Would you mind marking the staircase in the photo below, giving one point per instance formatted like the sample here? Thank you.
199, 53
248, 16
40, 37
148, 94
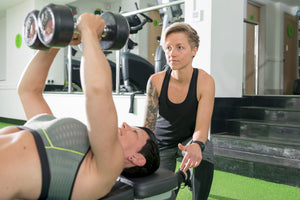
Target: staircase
259, 137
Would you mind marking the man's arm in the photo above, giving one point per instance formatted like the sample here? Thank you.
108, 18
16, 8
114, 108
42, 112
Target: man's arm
100, 109
151, 106
32, 83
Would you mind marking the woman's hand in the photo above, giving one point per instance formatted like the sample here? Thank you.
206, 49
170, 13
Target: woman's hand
193, 156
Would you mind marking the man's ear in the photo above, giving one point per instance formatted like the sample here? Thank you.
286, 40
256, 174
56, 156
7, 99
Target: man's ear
138, 159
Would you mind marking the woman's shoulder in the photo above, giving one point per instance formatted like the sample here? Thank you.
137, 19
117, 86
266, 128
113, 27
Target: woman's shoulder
155, 81
202, 74
159, 74
157, 77
205, 81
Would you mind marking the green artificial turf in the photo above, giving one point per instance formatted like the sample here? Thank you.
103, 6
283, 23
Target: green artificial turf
3, 124
228, 186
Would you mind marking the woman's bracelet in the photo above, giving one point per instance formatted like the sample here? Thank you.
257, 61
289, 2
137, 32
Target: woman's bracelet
201, 144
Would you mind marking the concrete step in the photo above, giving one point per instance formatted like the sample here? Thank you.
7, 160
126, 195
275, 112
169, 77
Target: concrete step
270, 114
257, 166
258, 158
284, 101
282, 131
261, 146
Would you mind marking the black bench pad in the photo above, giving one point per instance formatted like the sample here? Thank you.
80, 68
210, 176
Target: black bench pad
161, 181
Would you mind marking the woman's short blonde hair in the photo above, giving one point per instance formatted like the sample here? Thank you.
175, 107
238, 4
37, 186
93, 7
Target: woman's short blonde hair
180, 27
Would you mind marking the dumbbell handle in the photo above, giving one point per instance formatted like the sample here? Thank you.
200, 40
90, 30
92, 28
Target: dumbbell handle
106, 30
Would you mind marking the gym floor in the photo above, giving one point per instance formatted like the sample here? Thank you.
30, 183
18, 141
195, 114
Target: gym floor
227, 186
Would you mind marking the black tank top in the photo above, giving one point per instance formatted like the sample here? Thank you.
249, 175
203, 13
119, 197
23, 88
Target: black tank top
176, 122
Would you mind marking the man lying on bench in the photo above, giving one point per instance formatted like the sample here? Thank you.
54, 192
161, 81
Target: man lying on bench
62, 158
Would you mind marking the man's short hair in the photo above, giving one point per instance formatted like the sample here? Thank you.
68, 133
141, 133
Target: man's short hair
151, 152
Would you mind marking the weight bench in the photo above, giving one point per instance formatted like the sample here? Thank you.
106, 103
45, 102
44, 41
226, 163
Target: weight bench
157, 186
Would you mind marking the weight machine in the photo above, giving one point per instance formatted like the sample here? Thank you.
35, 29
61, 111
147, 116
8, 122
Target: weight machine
135, 69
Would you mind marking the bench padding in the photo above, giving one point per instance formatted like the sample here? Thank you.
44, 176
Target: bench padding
161, 181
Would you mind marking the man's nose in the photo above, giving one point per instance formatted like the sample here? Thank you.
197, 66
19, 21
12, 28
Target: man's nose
125, 125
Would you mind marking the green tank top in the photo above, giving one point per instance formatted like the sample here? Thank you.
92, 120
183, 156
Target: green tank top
66, 143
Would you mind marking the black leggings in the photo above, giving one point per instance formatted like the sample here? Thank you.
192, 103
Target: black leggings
202, 175
202, 179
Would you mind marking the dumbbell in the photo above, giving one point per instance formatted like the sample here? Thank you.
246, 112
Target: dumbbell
56, 27
30, 31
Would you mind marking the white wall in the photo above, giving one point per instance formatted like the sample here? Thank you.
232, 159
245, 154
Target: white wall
221, 42
227, 47
3, 48
13, 60
16, 57
203, 27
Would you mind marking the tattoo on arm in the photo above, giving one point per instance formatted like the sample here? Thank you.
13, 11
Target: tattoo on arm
151, 106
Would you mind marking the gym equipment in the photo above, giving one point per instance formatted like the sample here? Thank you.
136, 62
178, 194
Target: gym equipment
75, 73
163, 184
136, 72
135, 69
30, 31
160, 62
144, 10
173, 11
56, 27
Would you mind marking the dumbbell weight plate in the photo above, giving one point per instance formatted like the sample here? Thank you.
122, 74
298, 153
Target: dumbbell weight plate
56, 25
30, 31
117, 31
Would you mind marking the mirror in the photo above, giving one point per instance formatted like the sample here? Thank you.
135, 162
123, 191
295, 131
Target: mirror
137, 59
